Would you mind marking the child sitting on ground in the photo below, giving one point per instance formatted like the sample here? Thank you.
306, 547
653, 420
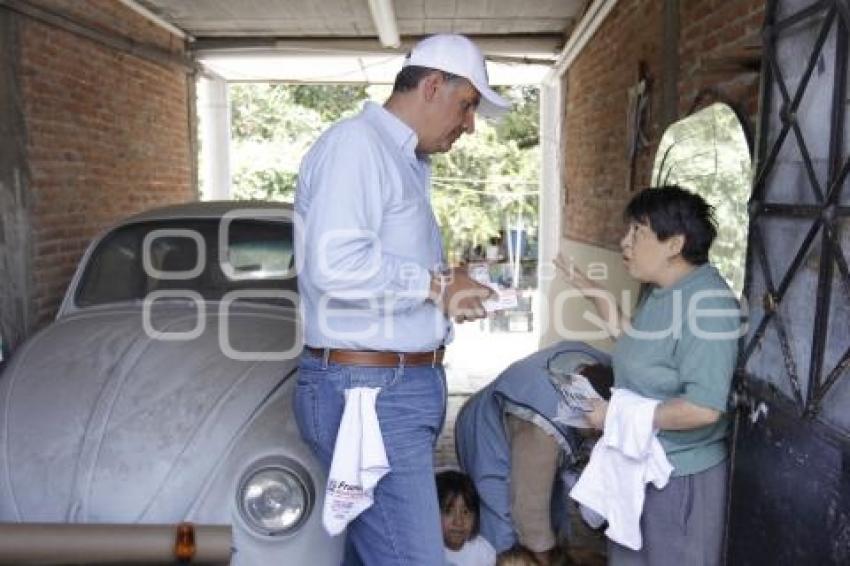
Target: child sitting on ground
459, 507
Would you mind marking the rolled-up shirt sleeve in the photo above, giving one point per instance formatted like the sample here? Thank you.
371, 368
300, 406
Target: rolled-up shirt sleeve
342, 231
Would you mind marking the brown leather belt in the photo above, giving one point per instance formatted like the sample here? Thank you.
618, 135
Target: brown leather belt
370, 358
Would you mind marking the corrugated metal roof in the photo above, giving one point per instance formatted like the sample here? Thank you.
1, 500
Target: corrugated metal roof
352, 18
335, 41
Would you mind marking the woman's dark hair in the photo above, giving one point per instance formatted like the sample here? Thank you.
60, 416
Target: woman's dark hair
409, 77
451, 484
600, 377
673, 211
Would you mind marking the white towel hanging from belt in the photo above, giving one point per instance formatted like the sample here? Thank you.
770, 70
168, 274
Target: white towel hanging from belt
359, 460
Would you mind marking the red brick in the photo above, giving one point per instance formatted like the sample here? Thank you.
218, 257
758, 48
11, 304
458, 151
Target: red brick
106, 134
594, 153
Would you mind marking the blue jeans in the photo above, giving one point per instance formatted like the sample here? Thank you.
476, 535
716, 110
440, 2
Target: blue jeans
402, 527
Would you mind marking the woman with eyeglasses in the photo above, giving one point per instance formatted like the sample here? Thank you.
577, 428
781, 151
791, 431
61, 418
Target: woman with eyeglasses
679, 348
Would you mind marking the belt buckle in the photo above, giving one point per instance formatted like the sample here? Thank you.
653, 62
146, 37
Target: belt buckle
434, 358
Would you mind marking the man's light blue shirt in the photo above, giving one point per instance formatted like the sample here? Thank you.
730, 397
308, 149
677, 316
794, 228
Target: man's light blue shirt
368, 238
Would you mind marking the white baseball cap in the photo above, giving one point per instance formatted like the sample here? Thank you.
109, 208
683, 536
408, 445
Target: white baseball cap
457, 55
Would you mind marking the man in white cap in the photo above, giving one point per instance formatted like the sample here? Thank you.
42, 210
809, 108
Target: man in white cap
377, 298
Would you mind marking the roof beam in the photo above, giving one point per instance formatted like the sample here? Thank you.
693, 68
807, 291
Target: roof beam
581, 34
544, 46
383, 16
145, 13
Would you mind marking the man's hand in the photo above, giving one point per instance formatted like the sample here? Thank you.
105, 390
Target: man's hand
462, 297
596, 416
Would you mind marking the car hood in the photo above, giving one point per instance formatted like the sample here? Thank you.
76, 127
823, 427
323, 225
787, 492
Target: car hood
101, 421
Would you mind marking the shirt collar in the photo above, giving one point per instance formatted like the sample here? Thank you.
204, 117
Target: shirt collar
400, 133
695, 274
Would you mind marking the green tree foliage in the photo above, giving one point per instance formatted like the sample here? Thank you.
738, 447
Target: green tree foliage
274, 112
707, 152
271, 132
266, 184
332, 102
487, 183
522, 124
266, 113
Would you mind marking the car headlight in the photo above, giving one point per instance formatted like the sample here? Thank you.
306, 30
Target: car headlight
275, 496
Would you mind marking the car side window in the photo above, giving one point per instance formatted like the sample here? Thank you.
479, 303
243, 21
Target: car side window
259, 256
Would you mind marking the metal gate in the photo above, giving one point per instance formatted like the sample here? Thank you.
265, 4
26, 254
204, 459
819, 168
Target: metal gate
790, 501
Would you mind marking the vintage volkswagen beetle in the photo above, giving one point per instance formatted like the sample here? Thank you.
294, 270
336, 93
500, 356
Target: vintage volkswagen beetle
163, 391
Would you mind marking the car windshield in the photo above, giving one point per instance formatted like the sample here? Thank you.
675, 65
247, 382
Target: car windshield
185, 255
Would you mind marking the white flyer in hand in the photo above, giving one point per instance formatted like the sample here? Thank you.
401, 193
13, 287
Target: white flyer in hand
503, 298
576, 399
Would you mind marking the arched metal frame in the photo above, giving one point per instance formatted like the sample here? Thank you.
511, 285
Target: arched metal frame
790, 490
823, 215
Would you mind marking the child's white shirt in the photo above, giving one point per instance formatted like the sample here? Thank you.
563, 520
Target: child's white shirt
474, 552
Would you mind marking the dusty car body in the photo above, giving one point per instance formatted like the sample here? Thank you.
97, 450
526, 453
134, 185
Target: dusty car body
163, 390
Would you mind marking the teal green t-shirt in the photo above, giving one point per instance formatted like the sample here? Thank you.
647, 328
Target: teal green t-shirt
684, 343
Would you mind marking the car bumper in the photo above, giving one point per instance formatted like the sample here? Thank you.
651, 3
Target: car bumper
63, 543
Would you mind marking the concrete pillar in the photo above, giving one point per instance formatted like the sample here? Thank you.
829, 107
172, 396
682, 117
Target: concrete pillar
214, 115
551, 188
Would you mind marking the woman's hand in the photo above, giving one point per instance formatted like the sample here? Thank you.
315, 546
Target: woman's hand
572, 274
612, 320
596, 416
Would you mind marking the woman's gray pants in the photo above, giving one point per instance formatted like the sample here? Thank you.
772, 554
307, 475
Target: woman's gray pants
682, 524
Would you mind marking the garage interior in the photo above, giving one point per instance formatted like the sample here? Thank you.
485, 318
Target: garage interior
98, 118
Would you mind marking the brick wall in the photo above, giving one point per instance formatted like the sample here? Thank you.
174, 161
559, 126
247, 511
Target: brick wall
710, 30
596, 167
107, 134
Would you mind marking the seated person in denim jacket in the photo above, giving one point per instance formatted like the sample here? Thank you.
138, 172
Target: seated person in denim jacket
518, 440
